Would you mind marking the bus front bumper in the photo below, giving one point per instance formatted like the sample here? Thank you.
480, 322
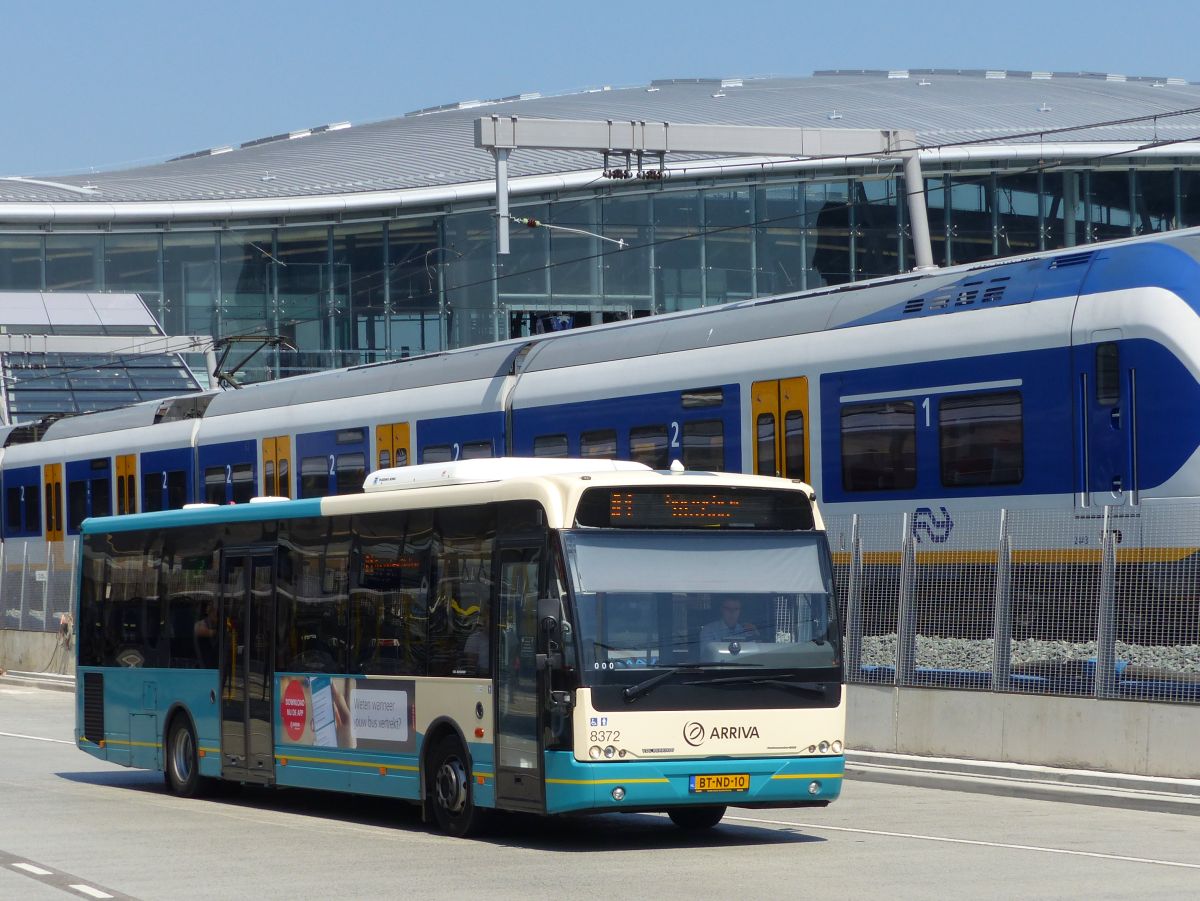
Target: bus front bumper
572, 786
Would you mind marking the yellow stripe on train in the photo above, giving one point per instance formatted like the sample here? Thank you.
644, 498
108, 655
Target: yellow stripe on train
1037, 555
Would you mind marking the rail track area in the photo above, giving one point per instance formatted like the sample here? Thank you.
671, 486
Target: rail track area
77, 827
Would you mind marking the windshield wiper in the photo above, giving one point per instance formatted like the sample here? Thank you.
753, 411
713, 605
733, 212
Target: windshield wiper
815, 689
633, 692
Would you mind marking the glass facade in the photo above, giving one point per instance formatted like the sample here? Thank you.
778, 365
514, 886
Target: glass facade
381, 287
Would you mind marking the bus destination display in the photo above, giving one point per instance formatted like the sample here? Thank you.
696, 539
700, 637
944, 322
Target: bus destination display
694, 508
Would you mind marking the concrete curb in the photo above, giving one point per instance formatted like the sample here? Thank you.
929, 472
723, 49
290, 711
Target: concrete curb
1120, 790
51, 681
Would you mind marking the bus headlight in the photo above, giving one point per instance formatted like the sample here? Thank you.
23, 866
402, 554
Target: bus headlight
610, 752
823, 747
814, 788
594, 752
836, 747
618, 794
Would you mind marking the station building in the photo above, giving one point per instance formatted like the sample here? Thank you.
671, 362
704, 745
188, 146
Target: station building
359, 243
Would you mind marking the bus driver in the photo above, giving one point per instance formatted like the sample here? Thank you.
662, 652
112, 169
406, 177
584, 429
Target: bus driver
729, 627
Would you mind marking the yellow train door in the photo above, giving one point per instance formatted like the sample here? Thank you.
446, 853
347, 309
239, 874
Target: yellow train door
392, 446
126, 484
52, 476
779, 424
277, 466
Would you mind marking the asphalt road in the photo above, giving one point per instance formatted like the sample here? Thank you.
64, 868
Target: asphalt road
72, 826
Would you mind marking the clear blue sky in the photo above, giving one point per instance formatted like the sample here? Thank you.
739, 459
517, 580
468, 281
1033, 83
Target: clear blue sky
100, 85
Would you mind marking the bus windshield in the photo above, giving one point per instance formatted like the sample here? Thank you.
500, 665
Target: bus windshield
701, 599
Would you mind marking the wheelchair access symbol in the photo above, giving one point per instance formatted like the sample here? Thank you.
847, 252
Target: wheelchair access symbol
929, 524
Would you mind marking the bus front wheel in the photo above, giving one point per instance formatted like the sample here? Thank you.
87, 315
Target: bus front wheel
183, 761
449, 789
696, 817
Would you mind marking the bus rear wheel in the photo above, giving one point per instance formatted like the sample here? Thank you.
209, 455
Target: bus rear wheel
183, 760
696, 817
449, 789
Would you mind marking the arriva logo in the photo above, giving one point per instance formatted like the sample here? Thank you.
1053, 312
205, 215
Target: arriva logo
695, 733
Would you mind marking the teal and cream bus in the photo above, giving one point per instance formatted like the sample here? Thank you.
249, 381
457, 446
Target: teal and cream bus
542, 635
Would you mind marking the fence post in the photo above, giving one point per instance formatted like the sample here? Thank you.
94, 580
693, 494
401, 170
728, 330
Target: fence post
1106, 619
1002, 611
854, 612
46, 586
906, 618
24, 579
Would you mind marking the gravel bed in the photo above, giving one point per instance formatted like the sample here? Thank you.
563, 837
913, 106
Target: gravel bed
976, 654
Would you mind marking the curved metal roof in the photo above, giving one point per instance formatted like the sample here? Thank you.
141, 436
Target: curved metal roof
431, 148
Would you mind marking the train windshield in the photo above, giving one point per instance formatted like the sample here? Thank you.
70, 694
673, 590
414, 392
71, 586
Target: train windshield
701, 600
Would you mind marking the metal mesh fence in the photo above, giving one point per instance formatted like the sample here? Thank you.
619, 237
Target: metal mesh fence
1100, 602
37, 584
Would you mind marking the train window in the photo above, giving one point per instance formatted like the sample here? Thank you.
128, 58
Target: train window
76, 503
243, 483
285, 486
879, 446
1108, 375
314, 477
350, 473
269, 477
214, 485
152, 492
351, 436
164, 490
101, 497
12, 509
551, 446
704, 445
793, 444
601, 444
648, 444
437, 453
476, 450
703, 397
401, 456
121, 497
385, 458
981, 439
33, 511
764, 429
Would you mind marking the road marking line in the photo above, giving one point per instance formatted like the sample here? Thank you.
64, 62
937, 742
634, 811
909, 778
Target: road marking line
58, 741
30, 868
93, 892
967, 841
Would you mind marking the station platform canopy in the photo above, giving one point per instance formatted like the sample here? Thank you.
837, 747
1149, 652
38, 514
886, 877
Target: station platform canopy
63, 353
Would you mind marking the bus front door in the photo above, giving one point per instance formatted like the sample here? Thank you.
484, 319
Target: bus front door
247, 615
519, 771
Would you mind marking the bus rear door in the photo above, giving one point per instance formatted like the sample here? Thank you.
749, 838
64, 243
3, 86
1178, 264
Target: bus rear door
247, 615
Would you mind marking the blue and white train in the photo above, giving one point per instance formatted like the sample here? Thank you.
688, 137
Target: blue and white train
1068, 379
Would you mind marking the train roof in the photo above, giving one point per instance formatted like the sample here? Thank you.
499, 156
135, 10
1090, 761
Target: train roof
910, 295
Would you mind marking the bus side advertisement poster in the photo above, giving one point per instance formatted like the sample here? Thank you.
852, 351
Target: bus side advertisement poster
339, 712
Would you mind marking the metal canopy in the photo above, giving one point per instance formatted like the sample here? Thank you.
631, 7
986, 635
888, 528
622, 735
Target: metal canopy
502, 134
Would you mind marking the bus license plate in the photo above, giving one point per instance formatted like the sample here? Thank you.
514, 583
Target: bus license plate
724, 782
